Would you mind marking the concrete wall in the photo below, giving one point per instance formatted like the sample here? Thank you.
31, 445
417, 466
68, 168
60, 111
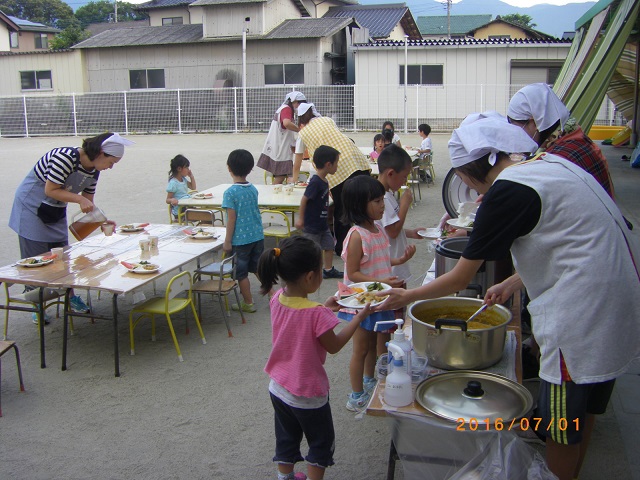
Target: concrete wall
228, 20
156, 16
499, 28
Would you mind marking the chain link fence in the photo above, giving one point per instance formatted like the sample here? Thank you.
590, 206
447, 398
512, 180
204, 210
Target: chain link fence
353, 107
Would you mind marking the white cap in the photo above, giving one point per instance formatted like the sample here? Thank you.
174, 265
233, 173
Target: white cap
539, 102
304, 107
295, 97
472, 117
114, 145
475, 139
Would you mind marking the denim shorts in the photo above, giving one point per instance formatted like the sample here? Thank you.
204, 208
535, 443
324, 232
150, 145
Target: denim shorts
324, 239
316, 424
247, 257
369, 323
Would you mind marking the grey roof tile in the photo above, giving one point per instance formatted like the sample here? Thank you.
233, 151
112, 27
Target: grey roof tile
222, 2
153, 4
308, 28
129, 37
379, 19
439, 42
460, 24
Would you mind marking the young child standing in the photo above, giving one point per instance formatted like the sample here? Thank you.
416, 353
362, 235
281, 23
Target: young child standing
378, 145
314, 207
367, 258
302, 334
181, 180
244, 236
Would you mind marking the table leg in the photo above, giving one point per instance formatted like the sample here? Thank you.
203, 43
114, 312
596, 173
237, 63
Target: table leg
116, 352
65, 328
391, 465
41, 312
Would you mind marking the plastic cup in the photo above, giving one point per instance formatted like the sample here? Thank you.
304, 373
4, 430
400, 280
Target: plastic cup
288, 189
153, 242
145, 245
59, 253
277, 188
107, 229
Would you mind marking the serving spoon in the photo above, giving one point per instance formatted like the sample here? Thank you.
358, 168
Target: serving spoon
478, 312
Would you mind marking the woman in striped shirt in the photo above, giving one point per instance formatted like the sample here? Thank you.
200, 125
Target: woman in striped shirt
63, 175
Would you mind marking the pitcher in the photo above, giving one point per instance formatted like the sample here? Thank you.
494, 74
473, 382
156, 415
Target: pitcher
85, 225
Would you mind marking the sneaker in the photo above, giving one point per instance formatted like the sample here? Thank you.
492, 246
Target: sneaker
246, 307
333, 273
78, 305
300, 476
369, 384
34, 318
358, 404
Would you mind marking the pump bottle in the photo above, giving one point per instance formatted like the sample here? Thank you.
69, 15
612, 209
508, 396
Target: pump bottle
397, 388
400, 340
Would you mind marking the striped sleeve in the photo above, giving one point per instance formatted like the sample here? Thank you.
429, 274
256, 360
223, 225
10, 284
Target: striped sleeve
56, 165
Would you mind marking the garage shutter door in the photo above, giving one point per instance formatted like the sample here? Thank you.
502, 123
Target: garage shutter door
521, 76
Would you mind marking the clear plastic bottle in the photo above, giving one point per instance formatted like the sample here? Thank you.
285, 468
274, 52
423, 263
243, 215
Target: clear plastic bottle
399, 339
397, 388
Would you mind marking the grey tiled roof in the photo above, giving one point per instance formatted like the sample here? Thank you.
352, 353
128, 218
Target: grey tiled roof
153, 4
222, 2
379, 19
437, 42
460, 24
27, 26
129, 37
96, 28
308, 28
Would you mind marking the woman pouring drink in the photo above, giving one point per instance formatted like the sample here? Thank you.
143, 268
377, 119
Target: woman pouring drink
574, 254
63, 175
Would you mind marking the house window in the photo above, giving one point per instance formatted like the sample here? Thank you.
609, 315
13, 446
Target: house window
499, 37
172, 21
552, 75
34, 80
422, 74
13, 39
41, 40
146, 78
284, 74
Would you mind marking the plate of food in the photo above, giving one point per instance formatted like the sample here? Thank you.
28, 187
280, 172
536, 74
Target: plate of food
430, 233
357, 295
201, 234
132, 227
465, 224
301, 185
202, 196
32, 262
141, 267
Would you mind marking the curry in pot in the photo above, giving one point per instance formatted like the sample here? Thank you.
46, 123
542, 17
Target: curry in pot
486, 319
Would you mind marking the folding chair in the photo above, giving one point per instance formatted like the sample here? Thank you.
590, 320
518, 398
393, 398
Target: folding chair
209, 216
276, 224
4, 348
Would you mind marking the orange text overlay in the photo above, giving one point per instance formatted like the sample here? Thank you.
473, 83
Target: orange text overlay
533, 423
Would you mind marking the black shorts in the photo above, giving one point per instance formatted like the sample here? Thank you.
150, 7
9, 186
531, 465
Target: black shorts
562, 409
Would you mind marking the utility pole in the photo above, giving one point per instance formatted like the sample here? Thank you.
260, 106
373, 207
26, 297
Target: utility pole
116, 10
449, 19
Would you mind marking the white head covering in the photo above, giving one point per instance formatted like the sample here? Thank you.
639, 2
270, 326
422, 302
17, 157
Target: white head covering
539, 102
472, 117
304, 107
114, 145
475, 139
295, 97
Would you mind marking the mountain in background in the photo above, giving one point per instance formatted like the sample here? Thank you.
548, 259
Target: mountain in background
550, 19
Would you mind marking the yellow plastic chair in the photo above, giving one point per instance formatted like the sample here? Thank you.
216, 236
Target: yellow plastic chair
167, 306
220, 287
30, 299
180, 220
268, 178
4, 348
426, 168
276, 224
209, 216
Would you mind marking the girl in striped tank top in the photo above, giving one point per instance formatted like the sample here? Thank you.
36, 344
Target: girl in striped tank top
367, 259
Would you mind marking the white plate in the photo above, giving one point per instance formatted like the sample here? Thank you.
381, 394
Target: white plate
138, 268
454, 223
430, 233
301, 185
127, 229
203, 236
202, 196
352, 302
41, 263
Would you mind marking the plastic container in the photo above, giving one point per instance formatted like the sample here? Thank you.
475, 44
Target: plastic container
85, 225
400, 340
397, 388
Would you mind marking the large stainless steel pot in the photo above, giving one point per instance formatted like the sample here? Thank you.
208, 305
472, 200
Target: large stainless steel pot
449, 344
448, 253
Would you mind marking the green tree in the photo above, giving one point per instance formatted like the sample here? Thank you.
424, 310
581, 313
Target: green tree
53, 13
103, 11
72, 34
520, 19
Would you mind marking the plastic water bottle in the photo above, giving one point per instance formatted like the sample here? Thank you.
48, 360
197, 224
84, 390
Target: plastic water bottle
397, 388
400, 340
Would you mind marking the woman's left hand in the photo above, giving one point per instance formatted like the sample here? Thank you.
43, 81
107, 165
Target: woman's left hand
397, 299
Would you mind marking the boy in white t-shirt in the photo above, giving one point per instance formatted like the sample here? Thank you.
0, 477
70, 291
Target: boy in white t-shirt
425, 149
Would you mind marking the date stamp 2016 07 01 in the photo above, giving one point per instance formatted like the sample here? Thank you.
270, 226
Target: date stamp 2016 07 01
534, 423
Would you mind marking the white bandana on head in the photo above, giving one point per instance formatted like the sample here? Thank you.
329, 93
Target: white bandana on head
294, 97
114, 145
539, 102
304, 107
473, 117
489, 135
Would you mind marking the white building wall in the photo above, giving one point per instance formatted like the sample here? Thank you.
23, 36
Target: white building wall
156, 16
486, 67
397, 33
67, 72
275, 11
5, 45
228, 20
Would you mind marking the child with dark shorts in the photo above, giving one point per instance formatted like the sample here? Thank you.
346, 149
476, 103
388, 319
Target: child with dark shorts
314, 207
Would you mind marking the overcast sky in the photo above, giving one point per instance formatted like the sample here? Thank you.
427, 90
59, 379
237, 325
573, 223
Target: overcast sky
531, 3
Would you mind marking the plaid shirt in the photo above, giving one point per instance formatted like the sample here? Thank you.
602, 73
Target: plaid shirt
323, 131
580, 149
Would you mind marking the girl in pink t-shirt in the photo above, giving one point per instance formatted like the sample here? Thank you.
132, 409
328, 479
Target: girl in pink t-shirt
366, 255
302, 334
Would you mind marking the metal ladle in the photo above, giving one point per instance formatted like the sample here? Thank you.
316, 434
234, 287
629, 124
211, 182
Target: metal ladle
478, 312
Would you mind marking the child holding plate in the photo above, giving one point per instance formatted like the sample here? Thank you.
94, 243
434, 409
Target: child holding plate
181, 180
367, 258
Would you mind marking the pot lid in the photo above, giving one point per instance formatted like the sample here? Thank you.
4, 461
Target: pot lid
474, 395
